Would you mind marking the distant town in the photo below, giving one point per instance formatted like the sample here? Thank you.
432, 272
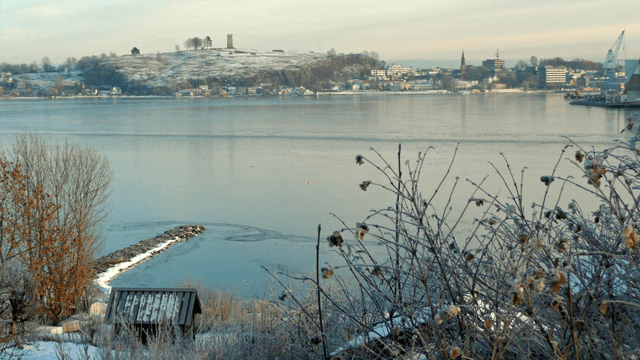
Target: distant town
200, 69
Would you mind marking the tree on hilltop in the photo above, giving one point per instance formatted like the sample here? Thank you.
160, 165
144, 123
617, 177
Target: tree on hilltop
207, 42
135, 51
197, 43
188, 44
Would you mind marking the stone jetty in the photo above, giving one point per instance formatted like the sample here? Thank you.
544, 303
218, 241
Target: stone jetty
183, 233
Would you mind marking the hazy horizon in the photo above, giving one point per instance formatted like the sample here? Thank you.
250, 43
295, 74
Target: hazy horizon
413, 30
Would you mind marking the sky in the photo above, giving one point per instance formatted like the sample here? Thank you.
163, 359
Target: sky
411, 29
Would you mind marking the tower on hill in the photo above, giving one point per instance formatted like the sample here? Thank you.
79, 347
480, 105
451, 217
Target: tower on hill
229, 41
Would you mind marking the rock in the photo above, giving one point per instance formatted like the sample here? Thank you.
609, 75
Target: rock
72, 326
98, 309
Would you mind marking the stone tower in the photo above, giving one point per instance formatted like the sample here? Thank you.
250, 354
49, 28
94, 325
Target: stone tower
463, 68
229, 41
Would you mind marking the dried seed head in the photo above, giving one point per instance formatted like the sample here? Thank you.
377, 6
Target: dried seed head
454, 352
511, 209
538, 274
561, 245
468, 256
557, 301
283, 296
326, 273
365, 185
377, 271
630, 237
517, 296
452, 310
364, 227
579, 156
523, 238
603, 308
547, 180
538, 285
488, 321
335, 239
492, 221
596, 220
359, 159
619, 173
557, 279
359, 234
560, 215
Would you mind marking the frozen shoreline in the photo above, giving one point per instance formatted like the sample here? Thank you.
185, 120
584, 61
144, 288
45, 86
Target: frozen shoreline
109, 266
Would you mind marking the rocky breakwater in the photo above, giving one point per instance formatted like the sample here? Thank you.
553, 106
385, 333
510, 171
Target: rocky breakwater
108, 266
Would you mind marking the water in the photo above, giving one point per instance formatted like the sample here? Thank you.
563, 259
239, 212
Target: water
261, 174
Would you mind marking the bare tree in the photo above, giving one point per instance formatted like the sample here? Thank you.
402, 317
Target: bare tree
188, 44
76, 182
207, 42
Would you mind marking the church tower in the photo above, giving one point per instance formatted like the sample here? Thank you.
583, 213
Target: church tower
463, 68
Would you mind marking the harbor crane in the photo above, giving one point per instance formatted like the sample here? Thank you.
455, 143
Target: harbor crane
610, 63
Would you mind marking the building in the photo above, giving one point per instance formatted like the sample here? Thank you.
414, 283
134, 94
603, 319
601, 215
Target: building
378, 72
229, 41
552, 76
144, 310
631, 94
463, 68
496, 66
398, 70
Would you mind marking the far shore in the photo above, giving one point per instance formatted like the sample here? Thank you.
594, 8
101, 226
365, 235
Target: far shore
319, 94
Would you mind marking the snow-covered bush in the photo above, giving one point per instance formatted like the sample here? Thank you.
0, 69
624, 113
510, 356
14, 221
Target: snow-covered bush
544, 281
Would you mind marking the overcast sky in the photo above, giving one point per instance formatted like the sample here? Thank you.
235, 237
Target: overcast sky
413, 29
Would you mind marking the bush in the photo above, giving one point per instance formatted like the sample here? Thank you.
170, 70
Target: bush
540, 284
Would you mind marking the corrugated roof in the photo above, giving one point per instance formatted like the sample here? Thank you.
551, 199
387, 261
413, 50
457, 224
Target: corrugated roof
140, 306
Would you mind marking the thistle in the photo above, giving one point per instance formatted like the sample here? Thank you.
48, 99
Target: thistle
454, 352
561, 245
547, 180
326, 273
365, 185
377, 271
359, 159
630, 237
335, 239
488, 321
557, 279
579, 156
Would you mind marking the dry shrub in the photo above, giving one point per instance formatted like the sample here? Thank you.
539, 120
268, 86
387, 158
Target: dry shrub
551, 282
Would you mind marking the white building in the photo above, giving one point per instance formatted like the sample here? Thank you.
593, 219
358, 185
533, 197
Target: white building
398, 70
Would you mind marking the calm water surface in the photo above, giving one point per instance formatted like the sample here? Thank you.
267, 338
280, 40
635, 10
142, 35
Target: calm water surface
261, 174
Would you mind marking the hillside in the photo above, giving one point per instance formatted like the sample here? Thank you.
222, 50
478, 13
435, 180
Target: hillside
176, 69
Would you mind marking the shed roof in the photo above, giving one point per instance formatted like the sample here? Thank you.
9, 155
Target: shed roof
147, 306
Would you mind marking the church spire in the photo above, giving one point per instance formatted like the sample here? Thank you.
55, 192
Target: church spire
463, 67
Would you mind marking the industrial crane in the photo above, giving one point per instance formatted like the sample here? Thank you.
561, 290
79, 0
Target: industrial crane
610, 63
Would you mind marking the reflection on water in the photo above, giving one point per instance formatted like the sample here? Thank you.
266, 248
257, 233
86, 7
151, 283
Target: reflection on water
276, 168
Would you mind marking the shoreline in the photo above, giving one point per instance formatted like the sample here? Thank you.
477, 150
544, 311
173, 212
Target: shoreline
317, 95
109, 266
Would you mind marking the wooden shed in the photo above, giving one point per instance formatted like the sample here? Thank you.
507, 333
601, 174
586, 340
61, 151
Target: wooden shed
145, 309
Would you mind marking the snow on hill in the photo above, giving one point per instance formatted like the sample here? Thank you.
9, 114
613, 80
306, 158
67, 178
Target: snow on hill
44, 80
168, 69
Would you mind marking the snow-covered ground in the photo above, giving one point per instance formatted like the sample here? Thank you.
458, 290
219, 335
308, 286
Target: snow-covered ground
45, 80
47, 350
177, 67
